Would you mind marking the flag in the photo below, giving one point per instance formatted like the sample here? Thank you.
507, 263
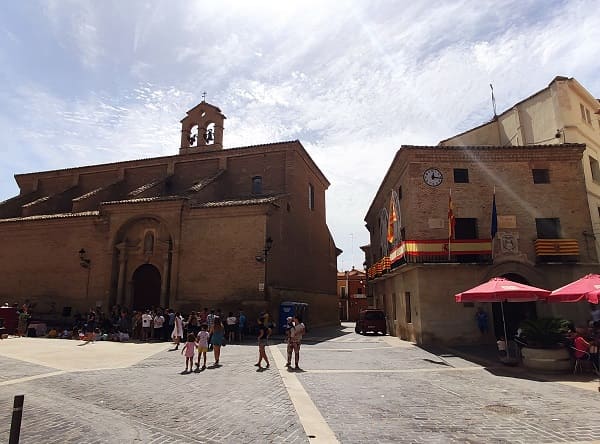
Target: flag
494, 226
451, 218
393, 217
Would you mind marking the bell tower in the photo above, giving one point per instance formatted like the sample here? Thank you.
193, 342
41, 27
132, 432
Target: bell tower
202, 129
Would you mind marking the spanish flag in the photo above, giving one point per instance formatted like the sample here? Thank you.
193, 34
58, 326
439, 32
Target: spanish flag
451, 218
393, 218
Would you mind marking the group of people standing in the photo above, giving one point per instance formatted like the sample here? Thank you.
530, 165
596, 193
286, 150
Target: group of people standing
198, 344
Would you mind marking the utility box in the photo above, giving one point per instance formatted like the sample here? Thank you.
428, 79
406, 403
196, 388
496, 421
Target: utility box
8, 320
287, 309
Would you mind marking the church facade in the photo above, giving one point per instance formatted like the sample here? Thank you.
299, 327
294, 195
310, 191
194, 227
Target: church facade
238, 228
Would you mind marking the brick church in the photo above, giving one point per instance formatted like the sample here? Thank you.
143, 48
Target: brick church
210, 227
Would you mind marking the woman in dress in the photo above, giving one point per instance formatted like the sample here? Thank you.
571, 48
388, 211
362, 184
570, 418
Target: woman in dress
217, 338
177, 330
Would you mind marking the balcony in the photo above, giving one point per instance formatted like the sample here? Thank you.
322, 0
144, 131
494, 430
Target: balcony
434, 251
556, 250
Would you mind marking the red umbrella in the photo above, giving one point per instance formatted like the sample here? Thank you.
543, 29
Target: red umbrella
502, 290
588, 288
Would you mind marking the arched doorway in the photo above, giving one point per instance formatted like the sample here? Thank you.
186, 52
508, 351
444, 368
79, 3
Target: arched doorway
146, 287
514, 312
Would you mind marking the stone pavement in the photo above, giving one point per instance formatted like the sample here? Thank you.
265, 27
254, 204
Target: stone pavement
351, 389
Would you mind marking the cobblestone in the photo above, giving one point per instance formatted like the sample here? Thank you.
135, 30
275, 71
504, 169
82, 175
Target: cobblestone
367, 389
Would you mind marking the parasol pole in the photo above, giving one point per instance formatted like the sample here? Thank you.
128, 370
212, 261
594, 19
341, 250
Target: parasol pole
504, 325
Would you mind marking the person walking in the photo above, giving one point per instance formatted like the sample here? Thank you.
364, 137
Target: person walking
217, 338
263, 334
189, 348
231, 327
297, 330
177, 334
202, 340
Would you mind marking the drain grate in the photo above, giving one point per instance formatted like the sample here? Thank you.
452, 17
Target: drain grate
501, 408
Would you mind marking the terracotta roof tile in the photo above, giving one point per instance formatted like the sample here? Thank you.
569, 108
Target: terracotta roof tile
51, 216
144, 200
239, 202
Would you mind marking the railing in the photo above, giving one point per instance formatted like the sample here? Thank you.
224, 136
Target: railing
556, 249
427, 251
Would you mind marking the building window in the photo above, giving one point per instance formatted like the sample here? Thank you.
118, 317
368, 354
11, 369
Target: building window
465, 228
595, 167
540, 175
461, 175
547, 228
359, 290
585, 114
311, 196
257, 185
407, 308
342, 292
598, 211
399, 193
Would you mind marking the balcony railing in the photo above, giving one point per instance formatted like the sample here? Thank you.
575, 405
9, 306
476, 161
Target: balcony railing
423, 251
556, 249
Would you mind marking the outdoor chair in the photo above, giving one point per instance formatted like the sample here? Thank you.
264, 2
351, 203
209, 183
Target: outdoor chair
580, 362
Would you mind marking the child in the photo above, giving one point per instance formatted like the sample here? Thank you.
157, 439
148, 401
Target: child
188, 348
202, 339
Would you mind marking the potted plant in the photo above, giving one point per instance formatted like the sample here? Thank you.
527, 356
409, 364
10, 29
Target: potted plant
544, 345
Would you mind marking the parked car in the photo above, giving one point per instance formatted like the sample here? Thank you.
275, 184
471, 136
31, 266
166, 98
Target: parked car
371, 320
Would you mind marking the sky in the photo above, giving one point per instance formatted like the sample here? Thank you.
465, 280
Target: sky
86, 82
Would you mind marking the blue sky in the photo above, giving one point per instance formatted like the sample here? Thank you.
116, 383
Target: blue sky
87, 82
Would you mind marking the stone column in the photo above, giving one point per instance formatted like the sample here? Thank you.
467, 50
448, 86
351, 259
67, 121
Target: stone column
121, 276
164, 302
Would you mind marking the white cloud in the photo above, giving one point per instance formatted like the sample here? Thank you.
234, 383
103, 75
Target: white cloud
351, 80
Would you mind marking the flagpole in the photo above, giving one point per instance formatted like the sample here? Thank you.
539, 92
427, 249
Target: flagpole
494, 223
450, 224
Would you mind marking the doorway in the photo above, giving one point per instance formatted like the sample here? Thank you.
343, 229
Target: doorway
146, 287
514, 312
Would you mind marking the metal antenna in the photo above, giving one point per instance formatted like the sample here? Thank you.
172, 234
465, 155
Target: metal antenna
493, 101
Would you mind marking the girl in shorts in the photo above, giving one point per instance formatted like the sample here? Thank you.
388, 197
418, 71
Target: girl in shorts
189, 348
202, 341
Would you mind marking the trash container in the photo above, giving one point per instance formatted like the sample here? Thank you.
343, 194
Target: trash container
287, 309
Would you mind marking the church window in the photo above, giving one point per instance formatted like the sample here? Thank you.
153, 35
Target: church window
311, 196
540, 175
257, 185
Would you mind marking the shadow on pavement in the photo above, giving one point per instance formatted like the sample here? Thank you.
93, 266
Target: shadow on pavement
487, 357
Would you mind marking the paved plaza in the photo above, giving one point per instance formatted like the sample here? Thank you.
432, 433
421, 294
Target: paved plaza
351, 389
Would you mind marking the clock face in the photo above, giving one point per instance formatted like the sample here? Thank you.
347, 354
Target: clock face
432, 177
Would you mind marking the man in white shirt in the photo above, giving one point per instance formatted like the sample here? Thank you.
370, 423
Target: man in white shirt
159, 321
146, 321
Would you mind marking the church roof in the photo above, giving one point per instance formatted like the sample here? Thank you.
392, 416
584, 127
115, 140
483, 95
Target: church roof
239, 202
52, 216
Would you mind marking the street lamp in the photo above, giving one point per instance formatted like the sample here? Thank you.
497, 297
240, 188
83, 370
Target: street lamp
85, 262
263, 258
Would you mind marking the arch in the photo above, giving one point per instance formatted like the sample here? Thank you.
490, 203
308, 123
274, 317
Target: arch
141, 240
524, 270
514, 312
146, 287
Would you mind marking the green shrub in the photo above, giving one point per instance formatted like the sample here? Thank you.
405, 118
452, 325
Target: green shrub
544, 332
